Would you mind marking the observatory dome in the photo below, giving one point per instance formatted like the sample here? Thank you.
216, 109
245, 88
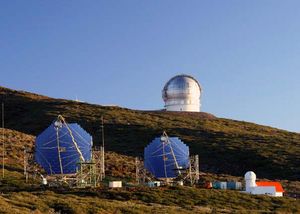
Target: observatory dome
182, 93
250, 176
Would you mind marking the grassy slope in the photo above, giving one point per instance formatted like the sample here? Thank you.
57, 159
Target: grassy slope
225, 146
19, 197
145, 200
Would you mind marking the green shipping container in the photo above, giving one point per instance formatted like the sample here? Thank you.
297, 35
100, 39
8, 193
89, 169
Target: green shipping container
219, 185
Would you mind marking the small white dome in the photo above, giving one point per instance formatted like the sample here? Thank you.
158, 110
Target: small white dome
250, 176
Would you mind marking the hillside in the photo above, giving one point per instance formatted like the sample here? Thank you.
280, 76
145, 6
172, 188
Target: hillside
224, 145
20, 197
117, 165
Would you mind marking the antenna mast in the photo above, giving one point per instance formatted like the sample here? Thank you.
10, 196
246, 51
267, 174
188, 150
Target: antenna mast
3, 144
102, 150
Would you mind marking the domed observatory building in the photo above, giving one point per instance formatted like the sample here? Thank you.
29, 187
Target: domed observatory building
182, 93
262, 187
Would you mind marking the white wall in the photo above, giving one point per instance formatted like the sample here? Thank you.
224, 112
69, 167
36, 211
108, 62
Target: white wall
115, 184
250, 184
264, 190
183, 107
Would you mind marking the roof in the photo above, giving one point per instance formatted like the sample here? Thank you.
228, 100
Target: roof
250, 175
182, 76
181, 86
277, 185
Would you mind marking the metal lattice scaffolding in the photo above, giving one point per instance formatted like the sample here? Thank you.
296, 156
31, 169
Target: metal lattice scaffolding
141, 174
194, 170
88, 174
31, 168
190, 175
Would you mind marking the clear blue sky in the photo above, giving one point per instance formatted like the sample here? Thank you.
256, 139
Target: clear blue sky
245, 53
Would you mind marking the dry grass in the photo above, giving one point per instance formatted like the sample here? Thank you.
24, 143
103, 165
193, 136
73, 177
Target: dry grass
227, 149
18, 197
144, 200
239, 146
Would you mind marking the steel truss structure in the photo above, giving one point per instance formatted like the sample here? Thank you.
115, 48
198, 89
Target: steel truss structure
89, 174
189, 176
31, 168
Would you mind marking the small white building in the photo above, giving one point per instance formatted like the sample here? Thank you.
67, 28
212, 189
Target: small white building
263, 187
180, 183
153, 183
115, 184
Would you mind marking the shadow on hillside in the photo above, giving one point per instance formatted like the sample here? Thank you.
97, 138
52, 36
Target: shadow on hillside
30, 117
219, 152
222, 153
15, 169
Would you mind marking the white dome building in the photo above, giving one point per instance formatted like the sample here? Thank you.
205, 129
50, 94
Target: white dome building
262, 187
182, 93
